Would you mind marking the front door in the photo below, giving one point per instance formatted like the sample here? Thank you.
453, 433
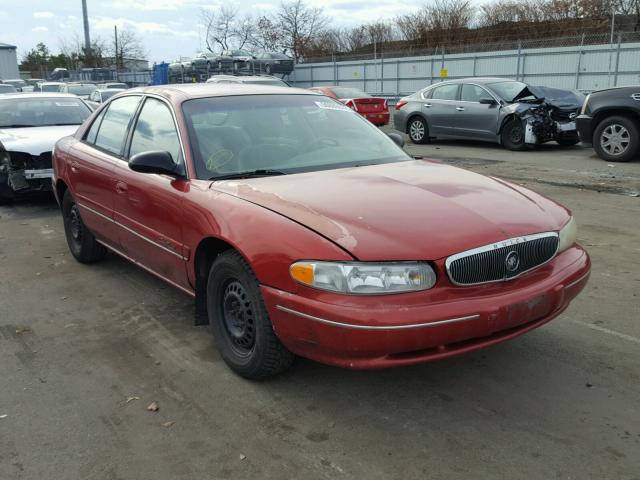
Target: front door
476, 120
148, 207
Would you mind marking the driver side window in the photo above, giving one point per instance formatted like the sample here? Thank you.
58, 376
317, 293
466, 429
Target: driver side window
156, 130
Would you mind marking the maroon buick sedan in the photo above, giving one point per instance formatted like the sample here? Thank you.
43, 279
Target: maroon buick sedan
301, 229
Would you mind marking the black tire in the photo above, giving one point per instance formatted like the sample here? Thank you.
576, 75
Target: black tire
82, 243
616, 139
418, 130
7, 194
567, 142
513, 135
239, 320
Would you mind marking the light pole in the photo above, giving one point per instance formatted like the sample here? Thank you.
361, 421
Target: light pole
613, 23
85, 19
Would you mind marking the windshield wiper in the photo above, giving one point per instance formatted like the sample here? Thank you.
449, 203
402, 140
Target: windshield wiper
17, 125
249, 174
63, 124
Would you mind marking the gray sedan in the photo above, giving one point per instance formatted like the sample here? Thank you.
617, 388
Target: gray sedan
500, 110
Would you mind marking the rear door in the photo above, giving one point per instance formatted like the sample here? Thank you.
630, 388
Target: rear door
148, 207
474, 119
92, 166
440, 109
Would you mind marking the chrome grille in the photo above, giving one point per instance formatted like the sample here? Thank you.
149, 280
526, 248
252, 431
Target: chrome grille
496, 262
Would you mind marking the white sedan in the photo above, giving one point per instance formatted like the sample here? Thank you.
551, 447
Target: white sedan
30, 125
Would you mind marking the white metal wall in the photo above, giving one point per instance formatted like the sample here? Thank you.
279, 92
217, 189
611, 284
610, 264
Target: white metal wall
586, 68
8, 63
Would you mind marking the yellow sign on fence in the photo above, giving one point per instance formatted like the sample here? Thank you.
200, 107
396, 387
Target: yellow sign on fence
444, 73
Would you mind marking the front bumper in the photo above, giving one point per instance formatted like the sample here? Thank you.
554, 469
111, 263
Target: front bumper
584, 128
377, 332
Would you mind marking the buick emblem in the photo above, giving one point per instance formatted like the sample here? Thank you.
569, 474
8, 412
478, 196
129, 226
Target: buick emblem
512, 262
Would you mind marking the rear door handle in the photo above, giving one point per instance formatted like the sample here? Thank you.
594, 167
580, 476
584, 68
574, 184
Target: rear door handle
460, 109
74, 167
121, 188
427, 105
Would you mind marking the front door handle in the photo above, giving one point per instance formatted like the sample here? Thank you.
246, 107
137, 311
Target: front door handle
121, 188
75, 167
427, 105
460, 109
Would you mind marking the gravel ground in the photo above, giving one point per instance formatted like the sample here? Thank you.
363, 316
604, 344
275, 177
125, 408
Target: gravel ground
85, 349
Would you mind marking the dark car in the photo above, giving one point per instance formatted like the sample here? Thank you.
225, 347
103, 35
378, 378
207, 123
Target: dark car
271, 63
204, 62
234, 60
374, 109
610, 121
300, 229
493, 109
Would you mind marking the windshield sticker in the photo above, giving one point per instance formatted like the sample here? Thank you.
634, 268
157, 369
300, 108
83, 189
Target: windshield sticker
333, 106
67, 104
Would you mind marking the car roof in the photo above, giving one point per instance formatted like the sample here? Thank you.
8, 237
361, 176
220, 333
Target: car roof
111, 90
203, 90
52, 83
478, 80
39, 95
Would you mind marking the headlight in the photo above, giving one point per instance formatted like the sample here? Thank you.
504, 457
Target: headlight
583, 110
364, 278
568, 235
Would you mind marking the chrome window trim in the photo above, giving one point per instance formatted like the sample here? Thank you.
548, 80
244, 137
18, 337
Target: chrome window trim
503, 243
378, 327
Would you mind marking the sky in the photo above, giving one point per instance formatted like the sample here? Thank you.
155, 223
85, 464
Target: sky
168, 28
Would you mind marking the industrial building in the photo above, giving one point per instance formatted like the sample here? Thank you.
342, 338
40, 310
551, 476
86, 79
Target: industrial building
8, 61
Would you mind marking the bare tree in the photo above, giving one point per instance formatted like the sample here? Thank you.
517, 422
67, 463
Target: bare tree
300, 24
267, 35
129, 47
225, 29
78, 56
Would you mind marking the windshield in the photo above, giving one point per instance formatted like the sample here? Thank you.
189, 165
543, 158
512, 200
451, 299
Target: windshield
40, 112
50, 88
508, 90
287, 133
81, 89
346, 92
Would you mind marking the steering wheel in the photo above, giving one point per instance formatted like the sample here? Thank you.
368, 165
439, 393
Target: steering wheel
219, 158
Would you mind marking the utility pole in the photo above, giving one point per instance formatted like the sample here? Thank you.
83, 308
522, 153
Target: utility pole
115, 32
85, 19
613, 23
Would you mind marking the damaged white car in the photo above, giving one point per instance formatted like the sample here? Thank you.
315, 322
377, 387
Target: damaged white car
30, 125
500, 110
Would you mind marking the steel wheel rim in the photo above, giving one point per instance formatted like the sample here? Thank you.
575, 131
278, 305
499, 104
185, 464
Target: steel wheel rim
238, 318
75, 223
416, 130
615, 139
516, 134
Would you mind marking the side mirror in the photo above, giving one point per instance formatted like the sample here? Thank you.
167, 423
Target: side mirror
155, 161
397, 138
487, 101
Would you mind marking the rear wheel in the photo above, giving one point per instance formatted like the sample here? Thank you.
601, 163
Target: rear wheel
6, 192
239, 320
513, 135
418, 130
616, 139
82, 243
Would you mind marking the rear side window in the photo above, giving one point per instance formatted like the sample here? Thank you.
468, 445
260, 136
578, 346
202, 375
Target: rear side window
114, 125
93, 130
155, 130
445, 92
473, 93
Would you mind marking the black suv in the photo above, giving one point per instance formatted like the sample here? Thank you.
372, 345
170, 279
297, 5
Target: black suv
610, 120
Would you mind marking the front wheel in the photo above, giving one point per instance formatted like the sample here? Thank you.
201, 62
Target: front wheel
82, 243
418, 131
513, 135
616, 139
239, 320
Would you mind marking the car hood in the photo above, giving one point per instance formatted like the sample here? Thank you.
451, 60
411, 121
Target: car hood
403, 211
34, 140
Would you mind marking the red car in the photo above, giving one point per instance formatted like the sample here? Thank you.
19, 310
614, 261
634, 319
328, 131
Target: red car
374, 109
300, 229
